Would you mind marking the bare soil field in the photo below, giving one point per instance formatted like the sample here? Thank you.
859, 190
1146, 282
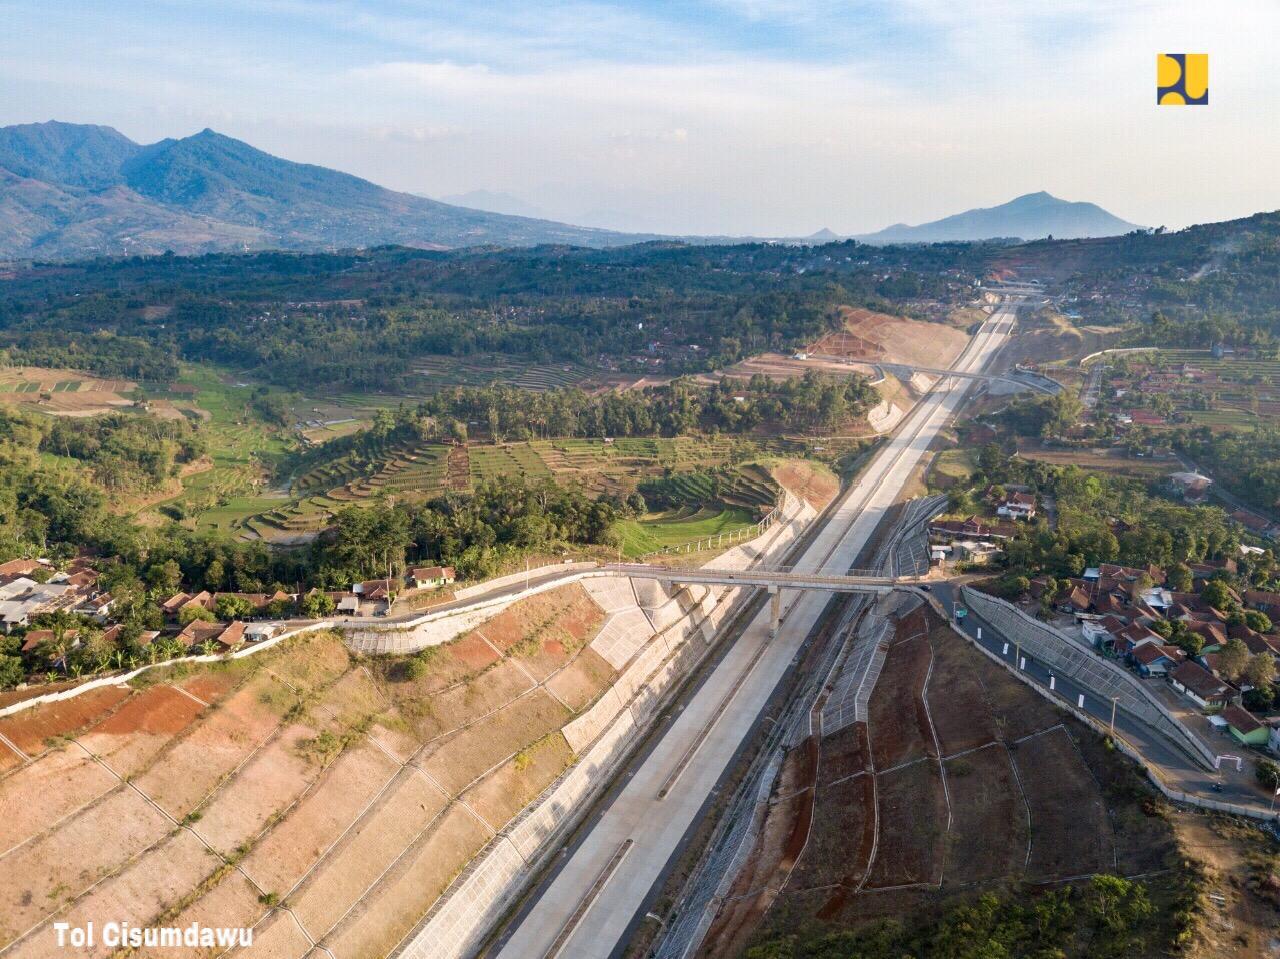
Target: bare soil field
933, 847
145, 888
895, 339
314, 795
348, 785
840, 847
394, 822
1066, 805
40, 794
131, 737
580, 683
196, 763
41, 876
843, 754
416, 880
900, 729
963, 717
465, 756
988, 838
264, 786
517, 782
813, 483
32, 729
913, 823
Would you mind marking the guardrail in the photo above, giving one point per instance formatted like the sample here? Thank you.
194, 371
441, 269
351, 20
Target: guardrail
1104, 678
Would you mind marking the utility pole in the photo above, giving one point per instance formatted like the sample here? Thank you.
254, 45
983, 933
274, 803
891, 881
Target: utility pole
1113, 717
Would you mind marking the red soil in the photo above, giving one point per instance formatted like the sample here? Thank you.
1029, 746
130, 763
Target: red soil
161, 709
210, 686
473, 652
28, 730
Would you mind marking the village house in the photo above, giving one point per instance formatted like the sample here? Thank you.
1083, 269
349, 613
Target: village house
431, 577
1243, 727
1200, 686
1018, 506
374, 589
1152, 659
1193, 487
971, 528
22, 599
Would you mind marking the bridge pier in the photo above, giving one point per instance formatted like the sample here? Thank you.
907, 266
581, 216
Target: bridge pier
775, 611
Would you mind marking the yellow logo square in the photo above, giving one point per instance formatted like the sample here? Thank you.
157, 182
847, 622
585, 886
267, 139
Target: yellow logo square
1182, 79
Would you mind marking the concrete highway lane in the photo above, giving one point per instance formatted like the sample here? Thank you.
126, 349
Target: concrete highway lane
584, 907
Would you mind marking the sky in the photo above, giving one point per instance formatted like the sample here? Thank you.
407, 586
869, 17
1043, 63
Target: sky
743, 117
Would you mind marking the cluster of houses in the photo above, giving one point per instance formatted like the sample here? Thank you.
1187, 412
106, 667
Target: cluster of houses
73, 590
977, 539
32, 587
1116, 608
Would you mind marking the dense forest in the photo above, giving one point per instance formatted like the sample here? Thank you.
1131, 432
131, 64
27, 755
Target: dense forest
1246, 464
1216, 282
357, 320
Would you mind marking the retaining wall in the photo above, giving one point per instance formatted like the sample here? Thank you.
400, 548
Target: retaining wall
679, 628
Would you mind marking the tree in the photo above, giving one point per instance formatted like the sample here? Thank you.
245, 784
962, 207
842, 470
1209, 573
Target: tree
228, 607
317, 605
165, 577
1217, 594
189, 614
1258, 621
1260, 671
1268, 774
11, 671
1232, 660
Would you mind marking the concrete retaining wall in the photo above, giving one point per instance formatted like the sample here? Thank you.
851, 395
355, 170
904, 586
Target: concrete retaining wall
601, 737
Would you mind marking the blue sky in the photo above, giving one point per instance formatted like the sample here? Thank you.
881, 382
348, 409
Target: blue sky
719, 116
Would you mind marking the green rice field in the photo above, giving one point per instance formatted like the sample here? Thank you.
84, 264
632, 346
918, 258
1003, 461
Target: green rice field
677, 527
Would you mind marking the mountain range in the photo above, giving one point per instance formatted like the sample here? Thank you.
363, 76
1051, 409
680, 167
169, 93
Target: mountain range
70, 191
74, 190
1033, 216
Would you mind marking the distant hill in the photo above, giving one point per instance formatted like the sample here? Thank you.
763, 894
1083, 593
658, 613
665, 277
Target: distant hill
1031, 217
71, 190
494, 201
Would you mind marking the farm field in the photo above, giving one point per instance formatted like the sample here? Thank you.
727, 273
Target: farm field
962, 779
441, 372
1229, 392
241, 447
346, 791
64, 392
1107, 460
677, 527
599, 466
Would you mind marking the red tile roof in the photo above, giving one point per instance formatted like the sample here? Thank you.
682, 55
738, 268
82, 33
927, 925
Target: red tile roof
1240, 720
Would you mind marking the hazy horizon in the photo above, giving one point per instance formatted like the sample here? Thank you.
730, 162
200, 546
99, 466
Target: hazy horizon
765, 117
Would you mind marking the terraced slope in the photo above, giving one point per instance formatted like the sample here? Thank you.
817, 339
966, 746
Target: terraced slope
325, 800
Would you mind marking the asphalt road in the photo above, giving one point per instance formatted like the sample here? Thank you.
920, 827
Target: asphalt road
586, 905
1179, 770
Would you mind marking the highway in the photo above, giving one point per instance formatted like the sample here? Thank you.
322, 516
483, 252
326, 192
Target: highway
584, 907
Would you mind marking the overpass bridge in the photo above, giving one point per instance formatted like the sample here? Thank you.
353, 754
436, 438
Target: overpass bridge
774, 580
899, 369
